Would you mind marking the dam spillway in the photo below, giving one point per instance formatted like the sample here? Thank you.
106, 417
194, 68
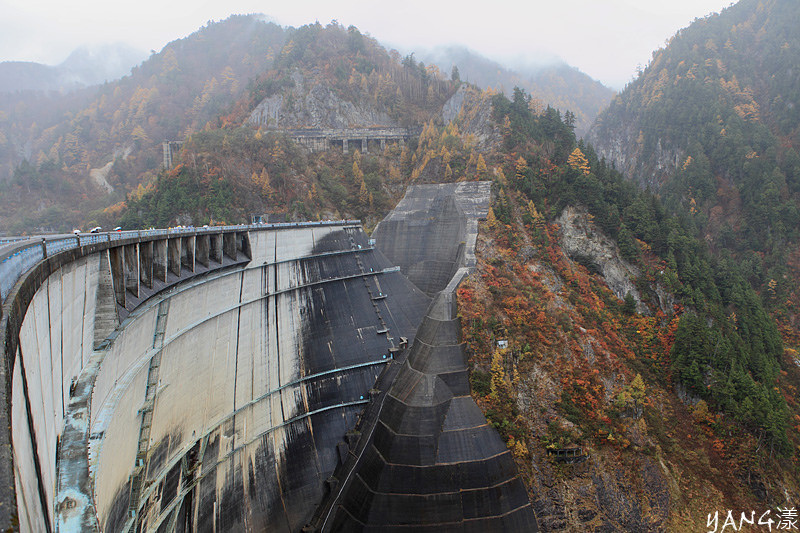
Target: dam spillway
220, 383
430, 461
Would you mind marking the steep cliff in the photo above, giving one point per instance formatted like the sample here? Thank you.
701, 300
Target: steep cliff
472, 110
309, 104
584, 243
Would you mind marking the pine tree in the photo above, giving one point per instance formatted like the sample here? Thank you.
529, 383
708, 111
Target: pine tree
629, 307
363, 194
498, 384
638, 393
536, 217
358, 175
627, 246
264, 183
578, 161
481, 166
519, 170
490, 218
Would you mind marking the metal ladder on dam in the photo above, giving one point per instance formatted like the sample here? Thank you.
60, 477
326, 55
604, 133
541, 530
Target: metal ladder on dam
138, 476
374, 298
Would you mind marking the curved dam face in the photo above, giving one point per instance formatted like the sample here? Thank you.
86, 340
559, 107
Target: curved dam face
432, 231
257, 379
220, 403
253, 376
429, 459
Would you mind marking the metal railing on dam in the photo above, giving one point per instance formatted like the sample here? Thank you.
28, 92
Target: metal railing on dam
24, 252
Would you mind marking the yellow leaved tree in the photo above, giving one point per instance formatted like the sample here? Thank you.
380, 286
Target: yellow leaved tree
481, 166
578, 161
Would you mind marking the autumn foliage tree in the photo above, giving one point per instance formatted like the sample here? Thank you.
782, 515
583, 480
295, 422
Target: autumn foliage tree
578, 161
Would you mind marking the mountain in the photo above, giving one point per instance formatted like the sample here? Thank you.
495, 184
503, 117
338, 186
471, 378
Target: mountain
603, 325
64, 156
83, 67
554, 83
27, 76
92, 65
713, 120
323, 78
627, 342
712, 125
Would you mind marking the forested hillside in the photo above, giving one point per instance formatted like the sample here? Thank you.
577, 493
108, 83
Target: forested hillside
240, 167
628, 338
712, 126
655, 330
713, 123
65, 158
556, 84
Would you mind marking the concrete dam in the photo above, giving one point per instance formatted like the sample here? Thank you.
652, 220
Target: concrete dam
285, 377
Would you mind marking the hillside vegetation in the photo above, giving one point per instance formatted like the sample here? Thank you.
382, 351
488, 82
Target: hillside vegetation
655, 330
677, 388
712, 127
50, 145
555, 84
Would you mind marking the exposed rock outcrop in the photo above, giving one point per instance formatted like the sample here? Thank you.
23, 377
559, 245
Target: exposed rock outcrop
100, 175
471, 109
597, 496
311, 104
620, 144
583, 242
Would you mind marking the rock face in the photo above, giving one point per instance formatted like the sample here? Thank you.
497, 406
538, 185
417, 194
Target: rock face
619, 142
598, 496
315, 105
472, 111
582, 242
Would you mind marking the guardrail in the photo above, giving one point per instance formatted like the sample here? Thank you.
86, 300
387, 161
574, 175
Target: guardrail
9, 240
21, 259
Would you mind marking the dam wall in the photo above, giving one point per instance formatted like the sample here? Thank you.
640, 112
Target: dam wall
58, 295
261, 372
59, 329
258, 378
222, 395
428, 460
432, 231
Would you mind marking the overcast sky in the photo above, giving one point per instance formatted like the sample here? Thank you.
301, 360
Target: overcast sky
607, 39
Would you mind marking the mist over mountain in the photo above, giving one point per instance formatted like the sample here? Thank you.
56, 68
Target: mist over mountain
551, 82
641, 331
713, 124
85, 66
